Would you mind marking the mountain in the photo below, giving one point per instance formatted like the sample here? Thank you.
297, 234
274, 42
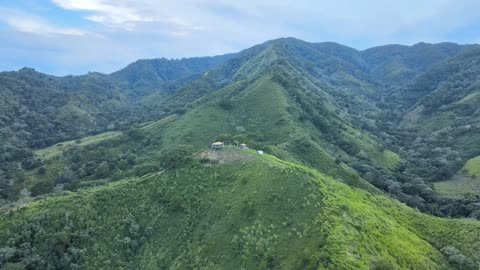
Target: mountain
343, 167
395, 65
163, 75
278, 108
235, 209
331, 107
38, 110
444, 99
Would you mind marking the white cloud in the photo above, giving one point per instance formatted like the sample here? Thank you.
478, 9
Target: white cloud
251, 20
28, 23
121, 31
113, 12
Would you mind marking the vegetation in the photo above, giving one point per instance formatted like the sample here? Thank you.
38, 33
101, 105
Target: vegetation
110, 171
465, 182
243, 213
472, 167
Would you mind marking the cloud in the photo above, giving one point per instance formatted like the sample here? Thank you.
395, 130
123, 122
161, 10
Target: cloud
29, 23
112, 13
121, 31
342, 19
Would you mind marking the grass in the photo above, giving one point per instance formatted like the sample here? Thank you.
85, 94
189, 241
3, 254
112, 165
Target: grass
459, 185
260, 213
391, 159
465, 182
470, 98
57, 149
472, 167
385, 158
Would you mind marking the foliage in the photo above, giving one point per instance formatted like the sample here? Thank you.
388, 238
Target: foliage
177, 219
396, 119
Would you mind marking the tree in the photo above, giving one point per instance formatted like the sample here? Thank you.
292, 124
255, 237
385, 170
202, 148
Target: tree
457, 259
103, 170
176, 157
66, 175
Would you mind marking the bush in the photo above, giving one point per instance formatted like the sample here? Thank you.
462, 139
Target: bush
41, 171
226, 104
458, 260
143, 169
42, 187
380, 263
176, 157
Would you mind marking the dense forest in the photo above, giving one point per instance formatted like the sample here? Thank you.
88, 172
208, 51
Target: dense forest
392, 126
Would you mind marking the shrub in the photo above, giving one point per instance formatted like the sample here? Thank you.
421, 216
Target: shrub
226, 104
176, 157
380, 263
41, 171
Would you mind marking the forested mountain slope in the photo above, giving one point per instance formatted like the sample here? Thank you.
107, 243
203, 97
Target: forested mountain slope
38, 110
235, 209
390, 120
394, 65
446, 99
330, 94
162, 75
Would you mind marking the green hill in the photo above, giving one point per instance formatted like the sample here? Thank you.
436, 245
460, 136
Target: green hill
264, 112
354, 141
313, 104
256, 212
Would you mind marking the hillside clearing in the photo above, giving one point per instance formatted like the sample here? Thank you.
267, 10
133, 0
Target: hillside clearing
56, 149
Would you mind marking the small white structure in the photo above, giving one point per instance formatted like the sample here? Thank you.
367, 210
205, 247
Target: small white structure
260, 152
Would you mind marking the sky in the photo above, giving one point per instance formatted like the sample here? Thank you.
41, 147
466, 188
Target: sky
64, 37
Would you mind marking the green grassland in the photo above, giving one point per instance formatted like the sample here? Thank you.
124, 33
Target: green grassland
472, 167
57, 149
458, 185
259, 213
466, 182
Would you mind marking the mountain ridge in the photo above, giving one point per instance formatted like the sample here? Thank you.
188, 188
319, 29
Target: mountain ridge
331, 132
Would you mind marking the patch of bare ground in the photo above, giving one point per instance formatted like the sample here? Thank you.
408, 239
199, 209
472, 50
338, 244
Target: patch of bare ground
223, 156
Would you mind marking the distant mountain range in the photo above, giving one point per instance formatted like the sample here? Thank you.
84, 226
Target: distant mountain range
349, 136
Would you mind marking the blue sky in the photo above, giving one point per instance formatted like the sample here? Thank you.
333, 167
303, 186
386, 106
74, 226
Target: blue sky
76, 36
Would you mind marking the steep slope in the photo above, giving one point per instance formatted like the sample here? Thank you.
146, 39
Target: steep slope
73, 105
143, 200
444, 100
79, 105
432, 122
38, 110
296, 121
394, 65
255, 212
164, 76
